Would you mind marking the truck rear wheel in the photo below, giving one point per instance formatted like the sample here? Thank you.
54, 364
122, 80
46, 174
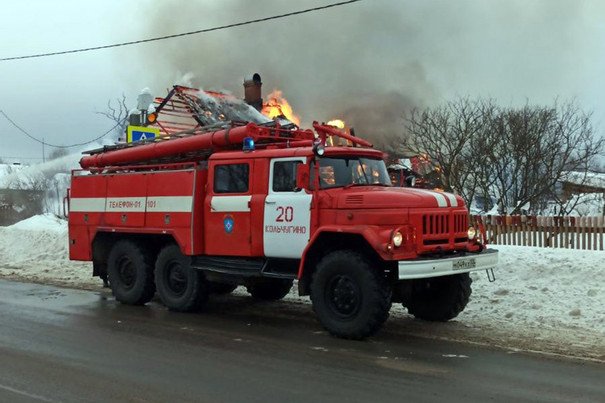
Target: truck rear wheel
181, 287
439, 299
270, 289
130, 273
349, 295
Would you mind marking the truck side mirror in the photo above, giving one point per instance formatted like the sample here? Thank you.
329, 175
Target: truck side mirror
302, 177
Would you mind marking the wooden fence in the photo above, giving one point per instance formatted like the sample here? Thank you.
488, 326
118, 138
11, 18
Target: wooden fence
586, 233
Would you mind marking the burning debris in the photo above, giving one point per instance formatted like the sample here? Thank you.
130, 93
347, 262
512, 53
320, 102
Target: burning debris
279, 107
337, 123
186, 108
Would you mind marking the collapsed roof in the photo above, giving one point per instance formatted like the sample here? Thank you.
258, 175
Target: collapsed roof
187, 108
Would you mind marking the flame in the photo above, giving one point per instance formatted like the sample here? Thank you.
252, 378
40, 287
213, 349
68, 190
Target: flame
337, 123
335, 141
278, 106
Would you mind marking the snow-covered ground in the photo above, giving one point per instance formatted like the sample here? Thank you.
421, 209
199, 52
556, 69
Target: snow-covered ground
550, 300
36, 250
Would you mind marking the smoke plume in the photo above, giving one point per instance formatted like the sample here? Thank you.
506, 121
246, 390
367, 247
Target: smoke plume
370, 62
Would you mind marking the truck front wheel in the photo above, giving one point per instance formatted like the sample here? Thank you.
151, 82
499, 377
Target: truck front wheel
181, 287
440, 298
130, 273
351, 298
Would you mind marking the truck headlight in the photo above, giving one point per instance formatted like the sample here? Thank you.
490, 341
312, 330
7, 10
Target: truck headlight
397, 239
472, 233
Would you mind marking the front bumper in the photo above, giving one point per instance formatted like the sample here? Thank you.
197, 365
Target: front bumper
411, 269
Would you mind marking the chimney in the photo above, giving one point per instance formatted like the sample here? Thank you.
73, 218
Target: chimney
252, 91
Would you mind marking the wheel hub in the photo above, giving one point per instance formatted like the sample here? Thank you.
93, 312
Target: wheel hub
176, 278
343, 296
127, 272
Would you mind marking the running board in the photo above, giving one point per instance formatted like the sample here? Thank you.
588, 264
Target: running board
239, 266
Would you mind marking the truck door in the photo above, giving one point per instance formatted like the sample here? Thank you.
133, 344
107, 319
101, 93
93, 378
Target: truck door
287, 217
227, 209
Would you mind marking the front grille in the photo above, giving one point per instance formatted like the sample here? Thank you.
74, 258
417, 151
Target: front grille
435, 224
460, 222
441, 228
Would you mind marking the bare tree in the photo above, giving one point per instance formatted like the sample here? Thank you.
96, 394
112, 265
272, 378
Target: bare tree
515, 156
453, 137
117, 113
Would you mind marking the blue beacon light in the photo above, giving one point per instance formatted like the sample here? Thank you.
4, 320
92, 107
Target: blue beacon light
248, 144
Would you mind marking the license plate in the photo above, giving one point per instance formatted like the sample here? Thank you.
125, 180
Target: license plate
465, 264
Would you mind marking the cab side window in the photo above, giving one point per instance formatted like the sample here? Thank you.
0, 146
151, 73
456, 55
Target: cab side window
284, 176
232, 178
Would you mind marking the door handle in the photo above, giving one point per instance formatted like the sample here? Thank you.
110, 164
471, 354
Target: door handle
270, 202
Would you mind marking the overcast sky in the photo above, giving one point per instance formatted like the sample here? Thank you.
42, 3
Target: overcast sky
327, 63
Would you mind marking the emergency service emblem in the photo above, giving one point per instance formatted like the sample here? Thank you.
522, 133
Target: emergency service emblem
228, 223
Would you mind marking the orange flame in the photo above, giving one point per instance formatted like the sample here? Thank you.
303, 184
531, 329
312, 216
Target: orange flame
335, 141
278, 106
337, 123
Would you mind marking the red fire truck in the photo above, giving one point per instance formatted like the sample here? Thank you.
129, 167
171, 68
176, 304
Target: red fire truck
258, 204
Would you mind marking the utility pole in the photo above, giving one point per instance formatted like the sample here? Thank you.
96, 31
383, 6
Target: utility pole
43, 153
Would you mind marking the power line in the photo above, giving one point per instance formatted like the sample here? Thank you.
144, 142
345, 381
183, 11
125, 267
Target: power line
201, 31
22, 130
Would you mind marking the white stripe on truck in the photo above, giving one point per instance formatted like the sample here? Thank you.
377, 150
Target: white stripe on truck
125, 205
453, 200
151, 204
173, 204
87, 204
440, 197
225, 204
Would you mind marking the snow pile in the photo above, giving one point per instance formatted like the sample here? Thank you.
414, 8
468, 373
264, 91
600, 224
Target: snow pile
43, 222
7, 169
36, 249
543, 299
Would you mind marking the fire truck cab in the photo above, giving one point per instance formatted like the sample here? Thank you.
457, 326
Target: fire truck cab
262, 206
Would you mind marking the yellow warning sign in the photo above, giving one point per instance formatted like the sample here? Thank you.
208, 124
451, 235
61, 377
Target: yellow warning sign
140, 133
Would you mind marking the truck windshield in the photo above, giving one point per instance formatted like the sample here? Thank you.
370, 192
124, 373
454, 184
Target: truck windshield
350, 171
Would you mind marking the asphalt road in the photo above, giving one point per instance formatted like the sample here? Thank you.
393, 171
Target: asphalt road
68, 345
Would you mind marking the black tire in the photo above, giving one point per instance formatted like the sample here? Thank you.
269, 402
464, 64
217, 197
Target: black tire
439, 299
130, 273
270, 289
181, 287
221, 288
350, 296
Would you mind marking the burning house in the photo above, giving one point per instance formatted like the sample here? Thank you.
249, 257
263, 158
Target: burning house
186, 109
